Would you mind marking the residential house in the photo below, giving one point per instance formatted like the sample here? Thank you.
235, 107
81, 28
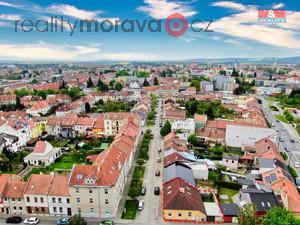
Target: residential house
84, 126
231, 161
184, 127
7, 99
182, 202
98, 129
43, 154
181, 170
36, 194
39, 108
63, 110
59, 197
14, 197
230, 212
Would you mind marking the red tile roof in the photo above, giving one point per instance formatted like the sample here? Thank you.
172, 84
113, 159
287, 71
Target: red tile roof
15, 189
38, 184
40, 147
180, 195
59, 186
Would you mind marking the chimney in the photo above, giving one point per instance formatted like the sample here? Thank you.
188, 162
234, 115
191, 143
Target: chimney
181, 190
130, 119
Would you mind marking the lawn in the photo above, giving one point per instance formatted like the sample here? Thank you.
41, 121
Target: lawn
130, 210
228, 192
281, 118
62, 165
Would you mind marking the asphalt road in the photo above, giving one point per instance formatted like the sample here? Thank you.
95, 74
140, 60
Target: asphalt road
286, 133
152, 214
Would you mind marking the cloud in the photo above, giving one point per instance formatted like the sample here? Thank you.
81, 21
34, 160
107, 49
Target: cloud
72, 11
9, 4
42, 51
231, 5
244, 25
10, 17
161, 9
279, 6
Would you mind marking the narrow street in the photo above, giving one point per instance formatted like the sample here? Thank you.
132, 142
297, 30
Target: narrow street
152, 210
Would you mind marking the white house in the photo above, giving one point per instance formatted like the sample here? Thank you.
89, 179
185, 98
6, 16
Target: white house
59, 198
231, 161
185, 127
43, 153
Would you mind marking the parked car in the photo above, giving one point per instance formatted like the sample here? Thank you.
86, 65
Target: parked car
159, 150
158, 160
31, 221
156, 190
63, 221
13, 219
297, 164
141, 205
143, 191
106, 222
157, 173
292, 140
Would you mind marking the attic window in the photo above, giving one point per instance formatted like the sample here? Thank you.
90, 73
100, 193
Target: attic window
90, 181
79, 176
263, 204
269, 204
169, 187
169, 192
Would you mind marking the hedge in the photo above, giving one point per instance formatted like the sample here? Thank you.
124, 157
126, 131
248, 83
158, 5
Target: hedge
230, 185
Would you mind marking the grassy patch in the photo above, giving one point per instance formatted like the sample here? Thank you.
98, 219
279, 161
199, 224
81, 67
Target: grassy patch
130, 210
229, 192
281, 118
62, 165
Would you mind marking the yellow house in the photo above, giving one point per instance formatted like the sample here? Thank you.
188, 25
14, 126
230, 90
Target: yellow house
98, 129
182, 202
36, 128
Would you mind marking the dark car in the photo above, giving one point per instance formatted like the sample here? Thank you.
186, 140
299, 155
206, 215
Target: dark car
157, 173
143, 191
156, 190
13, 219
63, 221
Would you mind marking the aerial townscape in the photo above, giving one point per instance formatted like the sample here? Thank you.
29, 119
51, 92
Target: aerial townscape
150, 112
150, 143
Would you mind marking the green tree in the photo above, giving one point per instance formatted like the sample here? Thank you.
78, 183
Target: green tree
34, 81
118, 86
87, 107
89, 83
63, 85
192, 139
280, 216
146, 83
155, 82
18, 103
235, 73
102, 86
166, 129
74, 92
77, 220
247, 216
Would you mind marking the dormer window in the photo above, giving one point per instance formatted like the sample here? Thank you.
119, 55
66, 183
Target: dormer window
89, 181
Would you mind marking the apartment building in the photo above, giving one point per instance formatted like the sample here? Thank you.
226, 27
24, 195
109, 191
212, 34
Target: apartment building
14, 197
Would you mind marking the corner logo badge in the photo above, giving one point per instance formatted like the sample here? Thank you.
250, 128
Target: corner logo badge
271, 16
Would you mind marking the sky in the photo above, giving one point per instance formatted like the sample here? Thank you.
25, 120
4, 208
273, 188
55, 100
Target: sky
237, 32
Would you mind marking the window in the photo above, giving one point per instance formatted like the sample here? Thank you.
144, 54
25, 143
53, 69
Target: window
91, 200
232, 161
42, 200
20, 208
78, 200
79, 210
35, 199
105, 191
28, 199
68, 200
13, 199
15, 208
106, 201
43, 209
59, 200
77, 190
107, 212
170, 214
179, 214
60, 209
190, 214
92, 210
36, 209
90, 190
54, 209
53, 200
19, 200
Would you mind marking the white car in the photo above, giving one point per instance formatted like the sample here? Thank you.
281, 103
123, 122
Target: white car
297, 164
32, 221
